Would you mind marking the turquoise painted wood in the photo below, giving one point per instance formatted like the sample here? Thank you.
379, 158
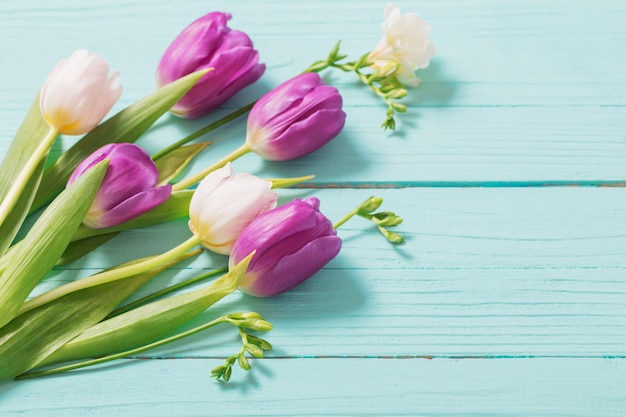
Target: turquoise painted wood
507, 298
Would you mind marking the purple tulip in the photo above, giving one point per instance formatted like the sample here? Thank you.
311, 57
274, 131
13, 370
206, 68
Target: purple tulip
129, 186
209, 43
296, 118
292, 243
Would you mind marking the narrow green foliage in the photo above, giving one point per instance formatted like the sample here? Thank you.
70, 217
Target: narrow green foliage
41, 248
173, 163
167, 290
33, 128
126, 126
148, 323
80, 248
31, 337
127, 353
15, 218
86, 240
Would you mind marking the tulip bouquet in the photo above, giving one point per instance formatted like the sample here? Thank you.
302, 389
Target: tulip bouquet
106, 184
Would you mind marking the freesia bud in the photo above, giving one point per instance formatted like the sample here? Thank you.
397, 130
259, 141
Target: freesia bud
78, 93
223, 204
129, 186
209, 43
404, 48
295, 118
292, 243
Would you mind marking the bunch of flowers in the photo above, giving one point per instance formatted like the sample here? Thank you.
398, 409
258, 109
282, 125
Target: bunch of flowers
106, 184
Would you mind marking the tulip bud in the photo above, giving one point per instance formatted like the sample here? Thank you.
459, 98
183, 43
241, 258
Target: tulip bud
223, 204
77, 93
129, 186
292, 243
209, 43
294, 119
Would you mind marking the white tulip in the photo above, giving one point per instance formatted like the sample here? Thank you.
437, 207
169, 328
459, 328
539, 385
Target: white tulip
78, 93
224, 204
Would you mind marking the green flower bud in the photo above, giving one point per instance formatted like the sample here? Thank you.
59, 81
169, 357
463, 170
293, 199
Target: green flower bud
243, 362
370, 205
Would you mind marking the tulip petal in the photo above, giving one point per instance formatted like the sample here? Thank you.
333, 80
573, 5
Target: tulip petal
209, 43
297, 267
306, 136
130, 208
77, 93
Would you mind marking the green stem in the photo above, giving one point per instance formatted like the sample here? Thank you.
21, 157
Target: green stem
345, 218
165, 291
204, 130
111, 275
222, 319
25, 174
242, 150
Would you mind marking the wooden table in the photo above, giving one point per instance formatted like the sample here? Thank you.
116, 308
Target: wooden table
508, 297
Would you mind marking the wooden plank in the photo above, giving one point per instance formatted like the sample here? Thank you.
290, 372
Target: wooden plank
330, 387
547, 113
484, 272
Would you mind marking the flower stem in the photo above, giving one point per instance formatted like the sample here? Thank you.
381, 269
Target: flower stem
204, 130
368, 206
25, 174
52, 371
165, 291
181, 185
345, 218
111, 275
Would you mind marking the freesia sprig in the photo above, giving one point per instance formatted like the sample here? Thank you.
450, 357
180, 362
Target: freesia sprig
251, 344
382, 219
389, 69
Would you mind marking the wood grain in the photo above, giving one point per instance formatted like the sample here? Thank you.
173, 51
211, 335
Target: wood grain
331, 387
507, 298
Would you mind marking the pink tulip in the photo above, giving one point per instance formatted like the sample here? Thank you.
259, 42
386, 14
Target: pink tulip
78, 93
129, 186
292, 243
294, 119
209, 43
223, 204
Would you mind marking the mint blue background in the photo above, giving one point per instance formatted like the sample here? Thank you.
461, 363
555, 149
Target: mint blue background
507, 298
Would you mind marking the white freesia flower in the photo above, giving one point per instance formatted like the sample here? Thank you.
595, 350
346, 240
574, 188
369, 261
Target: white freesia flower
404, 48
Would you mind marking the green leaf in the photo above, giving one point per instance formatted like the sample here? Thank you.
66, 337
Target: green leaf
173, 163
86, 240
126, 126
37, 253
31, 337
29, 135
150, 322
15, 218
78, 249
